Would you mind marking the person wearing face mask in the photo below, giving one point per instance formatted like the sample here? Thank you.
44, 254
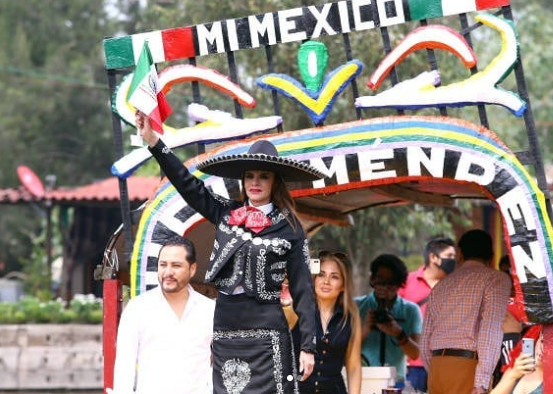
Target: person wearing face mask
391, 325
439, 260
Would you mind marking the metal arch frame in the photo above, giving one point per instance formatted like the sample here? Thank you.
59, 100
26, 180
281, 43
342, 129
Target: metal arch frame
531, 157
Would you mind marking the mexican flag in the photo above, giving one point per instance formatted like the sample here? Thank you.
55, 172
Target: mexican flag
144, 93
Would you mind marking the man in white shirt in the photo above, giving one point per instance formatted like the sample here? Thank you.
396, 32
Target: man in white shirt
164, 337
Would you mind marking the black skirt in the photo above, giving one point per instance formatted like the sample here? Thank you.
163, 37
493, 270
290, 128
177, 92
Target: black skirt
252, 348
336, 386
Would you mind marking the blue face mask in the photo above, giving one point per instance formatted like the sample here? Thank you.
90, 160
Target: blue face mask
448, 265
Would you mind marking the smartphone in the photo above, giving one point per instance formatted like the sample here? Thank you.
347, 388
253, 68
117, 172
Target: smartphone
528, 346
315, 266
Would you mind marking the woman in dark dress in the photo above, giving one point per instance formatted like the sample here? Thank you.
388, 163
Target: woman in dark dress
338, 330
258, 242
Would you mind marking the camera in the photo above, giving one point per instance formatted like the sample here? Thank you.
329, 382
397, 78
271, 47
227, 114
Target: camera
381, 315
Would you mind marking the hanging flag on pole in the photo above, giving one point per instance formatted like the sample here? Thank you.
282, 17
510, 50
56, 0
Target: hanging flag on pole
144, 93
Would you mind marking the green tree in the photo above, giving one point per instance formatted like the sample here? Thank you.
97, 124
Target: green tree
54, 113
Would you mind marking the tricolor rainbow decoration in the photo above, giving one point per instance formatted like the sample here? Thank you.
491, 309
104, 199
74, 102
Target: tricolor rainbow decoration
215, 126
173, 75
424, 37
296, 24
315, 96
386, 151
420, 92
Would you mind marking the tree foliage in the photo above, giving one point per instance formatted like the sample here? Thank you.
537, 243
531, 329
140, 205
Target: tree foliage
54, 112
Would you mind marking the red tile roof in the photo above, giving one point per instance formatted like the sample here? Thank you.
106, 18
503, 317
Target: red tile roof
139, 188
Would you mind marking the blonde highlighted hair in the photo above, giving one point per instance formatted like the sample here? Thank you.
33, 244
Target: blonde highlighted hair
345, 299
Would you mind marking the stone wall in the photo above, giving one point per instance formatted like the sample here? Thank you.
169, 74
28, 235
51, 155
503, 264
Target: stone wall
51, 356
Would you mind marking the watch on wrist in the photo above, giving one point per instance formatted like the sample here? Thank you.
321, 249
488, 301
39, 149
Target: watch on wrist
402, 338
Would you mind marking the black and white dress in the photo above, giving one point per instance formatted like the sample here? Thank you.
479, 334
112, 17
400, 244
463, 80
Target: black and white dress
252, 346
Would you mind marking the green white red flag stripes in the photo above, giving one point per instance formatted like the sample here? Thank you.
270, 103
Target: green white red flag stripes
145, 93
298, 24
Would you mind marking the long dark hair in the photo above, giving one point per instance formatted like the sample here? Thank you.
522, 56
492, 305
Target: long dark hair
280, 196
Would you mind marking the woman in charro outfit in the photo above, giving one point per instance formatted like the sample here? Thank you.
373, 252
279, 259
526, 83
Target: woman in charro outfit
258, 242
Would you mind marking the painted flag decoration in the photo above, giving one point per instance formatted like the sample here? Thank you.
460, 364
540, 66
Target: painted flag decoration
144, 93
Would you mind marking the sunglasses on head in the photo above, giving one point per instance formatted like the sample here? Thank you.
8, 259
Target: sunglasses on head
343, 257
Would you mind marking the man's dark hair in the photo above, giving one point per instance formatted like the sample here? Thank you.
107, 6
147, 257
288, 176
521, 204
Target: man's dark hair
177, 240
476, 244
394, 264
505, 260
436, 246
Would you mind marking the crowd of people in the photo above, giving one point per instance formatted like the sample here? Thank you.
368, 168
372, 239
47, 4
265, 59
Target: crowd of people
442, 327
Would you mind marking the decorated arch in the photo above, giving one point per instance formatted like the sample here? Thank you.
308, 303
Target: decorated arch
368, 162
419, 152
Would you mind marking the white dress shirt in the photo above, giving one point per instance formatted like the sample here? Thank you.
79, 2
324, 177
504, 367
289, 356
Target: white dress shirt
266, 209
158, 353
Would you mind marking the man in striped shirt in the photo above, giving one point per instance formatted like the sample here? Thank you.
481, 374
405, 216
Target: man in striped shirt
461, 338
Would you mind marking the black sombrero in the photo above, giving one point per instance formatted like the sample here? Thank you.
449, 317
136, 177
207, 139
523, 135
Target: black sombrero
262, 156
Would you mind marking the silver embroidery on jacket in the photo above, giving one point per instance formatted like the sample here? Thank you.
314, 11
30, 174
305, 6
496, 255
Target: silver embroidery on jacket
222, 200
278, 265
224, 228
226, 249
277, 351
224, 282
260, 278
248, 267
305, 251
236, 375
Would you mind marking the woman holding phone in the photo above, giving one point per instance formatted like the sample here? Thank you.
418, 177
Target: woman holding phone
525, 373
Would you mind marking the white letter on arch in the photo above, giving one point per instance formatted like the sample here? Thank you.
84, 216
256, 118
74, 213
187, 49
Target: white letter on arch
434, 164
337, 166
370, 168
463, 169
322, 23
389, 21
215, 35
287, 25
357, 20
260, 28
514, 206
533, 263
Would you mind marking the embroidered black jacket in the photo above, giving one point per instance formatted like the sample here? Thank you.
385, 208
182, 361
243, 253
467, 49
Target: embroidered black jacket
258, 262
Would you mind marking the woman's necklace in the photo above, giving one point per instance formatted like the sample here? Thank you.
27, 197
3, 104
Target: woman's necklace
325, 319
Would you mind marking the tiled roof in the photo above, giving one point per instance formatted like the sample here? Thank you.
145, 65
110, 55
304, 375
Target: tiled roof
139, 188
